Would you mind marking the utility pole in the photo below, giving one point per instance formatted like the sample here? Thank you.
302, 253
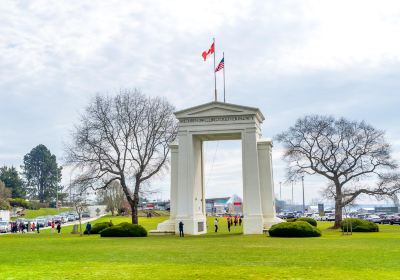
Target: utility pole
292, 194
302, 183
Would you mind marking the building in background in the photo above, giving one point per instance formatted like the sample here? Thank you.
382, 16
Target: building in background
219, 206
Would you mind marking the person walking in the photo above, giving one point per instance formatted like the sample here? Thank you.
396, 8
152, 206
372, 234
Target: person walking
181, 234
38, 228
52, 226
59, 228
216, 224
240, 221
33, 227
236, 220
229, 226
88, 228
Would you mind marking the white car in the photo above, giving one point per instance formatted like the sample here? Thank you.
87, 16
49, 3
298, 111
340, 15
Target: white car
5, 226
374, 219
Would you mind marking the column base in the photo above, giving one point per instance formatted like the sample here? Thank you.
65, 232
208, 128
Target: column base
253, 224
192, 226
270, 221
165, 228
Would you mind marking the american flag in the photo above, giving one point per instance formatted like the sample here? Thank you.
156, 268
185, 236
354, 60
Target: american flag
220, 65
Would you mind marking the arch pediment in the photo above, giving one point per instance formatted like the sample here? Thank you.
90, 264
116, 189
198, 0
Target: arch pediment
219, 109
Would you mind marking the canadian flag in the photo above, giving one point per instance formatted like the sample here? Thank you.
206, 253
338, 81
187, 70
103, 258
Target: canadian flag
210, 51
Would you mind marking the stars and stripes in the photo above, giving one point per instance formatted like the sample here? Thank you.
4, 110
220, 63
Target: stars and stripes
220, 65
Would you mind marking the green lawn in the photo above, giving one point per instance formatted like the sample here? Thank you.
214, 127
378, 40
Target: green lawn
30, 214
212, 256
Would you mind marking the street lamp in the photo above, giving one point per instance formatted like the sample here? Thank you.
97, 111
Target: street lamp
302, 183
292, 194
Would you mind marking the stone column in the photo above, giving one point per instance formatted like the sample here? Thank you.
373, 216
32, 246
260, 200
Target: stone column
253, 220
174, 180
267, 192
190, 184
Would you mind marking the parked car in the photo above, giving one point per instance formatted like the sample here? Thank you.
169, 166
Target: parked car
70, 218
396, 219
374, 218
388, 219
85, 215
58, 219
5, 227
40, 222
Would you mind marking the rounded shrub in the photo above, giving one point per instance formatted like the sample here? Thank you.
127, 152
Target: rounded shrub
99, 227
359, 225
294, 229
311, 221
124, 230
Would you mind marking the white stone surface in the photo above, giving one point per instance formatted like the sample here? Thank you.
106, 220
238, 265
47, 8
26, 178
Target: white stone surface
220, 121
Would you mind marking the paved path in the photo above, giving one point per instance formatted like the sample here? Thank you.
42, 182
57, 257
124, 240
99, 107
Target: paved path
84, 221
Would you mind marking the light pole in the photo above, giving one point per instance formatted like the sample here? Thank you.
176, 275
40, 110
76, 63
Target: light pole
302, 183
280, 190
292, 194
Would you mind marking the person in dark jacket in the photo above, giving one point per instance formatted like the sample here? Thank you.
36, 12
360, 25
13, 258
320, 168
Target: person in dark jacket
181, 234
240, 221
58, 228
88, 228
229, 227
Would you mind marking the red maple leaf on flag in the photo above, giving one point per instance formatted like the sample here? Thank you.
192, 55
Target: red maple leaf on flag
210, 51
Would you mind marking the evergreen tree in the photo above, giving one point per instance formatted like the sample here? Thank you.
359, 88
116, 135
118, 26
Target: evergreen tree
11, 179
42, 174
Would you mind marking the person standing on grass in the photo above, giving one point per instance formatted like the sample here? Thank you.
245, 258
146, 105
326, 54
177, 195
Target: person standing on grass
229, 226
38, 228
181, 234
236, 220
216, 224
88, 228
52, 226
240, 220
58, 228
33, 227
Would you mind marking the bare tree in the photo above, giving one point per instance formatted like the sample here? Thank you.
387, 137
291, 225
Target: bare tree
124, 138
113, 197
352, 156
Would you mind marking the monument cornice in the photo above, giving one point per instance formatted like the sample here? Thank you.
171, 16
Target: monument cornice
219, 111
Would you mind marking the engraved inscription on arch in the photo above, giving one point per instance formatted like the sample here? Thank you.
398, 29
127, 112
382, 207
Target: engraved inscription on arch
218, 119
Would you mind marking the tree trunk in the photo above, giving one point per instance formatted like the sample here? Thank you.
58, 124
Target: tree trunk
338, 206
338, 213
134, 208
135, 204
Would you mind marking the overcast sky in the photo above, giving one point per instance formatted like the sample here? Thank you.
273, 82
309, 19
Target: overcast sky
289, 58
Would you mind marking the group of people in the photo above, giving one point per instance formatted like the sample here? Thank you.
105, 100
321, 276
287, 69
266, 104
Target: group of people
21, 227
235, 220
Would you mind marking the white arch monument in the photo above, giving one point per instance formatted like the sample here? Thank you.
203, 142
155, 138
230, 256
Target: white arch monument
219, 121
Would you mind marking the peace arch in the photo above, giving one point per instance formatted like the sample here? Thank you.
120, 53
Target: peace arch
219, 121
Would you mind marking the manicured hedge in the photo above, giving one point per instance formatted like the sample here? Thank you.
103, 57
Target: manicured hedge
311, 221
359, 225
99, 227
124, 230
294, 229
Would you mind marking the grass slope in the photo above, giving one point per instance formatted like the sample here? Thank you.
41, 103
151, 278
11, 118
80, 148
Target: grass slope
30, 214
219, 255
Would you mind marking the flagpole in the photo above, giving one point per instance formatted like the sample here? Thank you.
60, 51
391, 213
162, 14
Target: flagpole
215, 75
223, 57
